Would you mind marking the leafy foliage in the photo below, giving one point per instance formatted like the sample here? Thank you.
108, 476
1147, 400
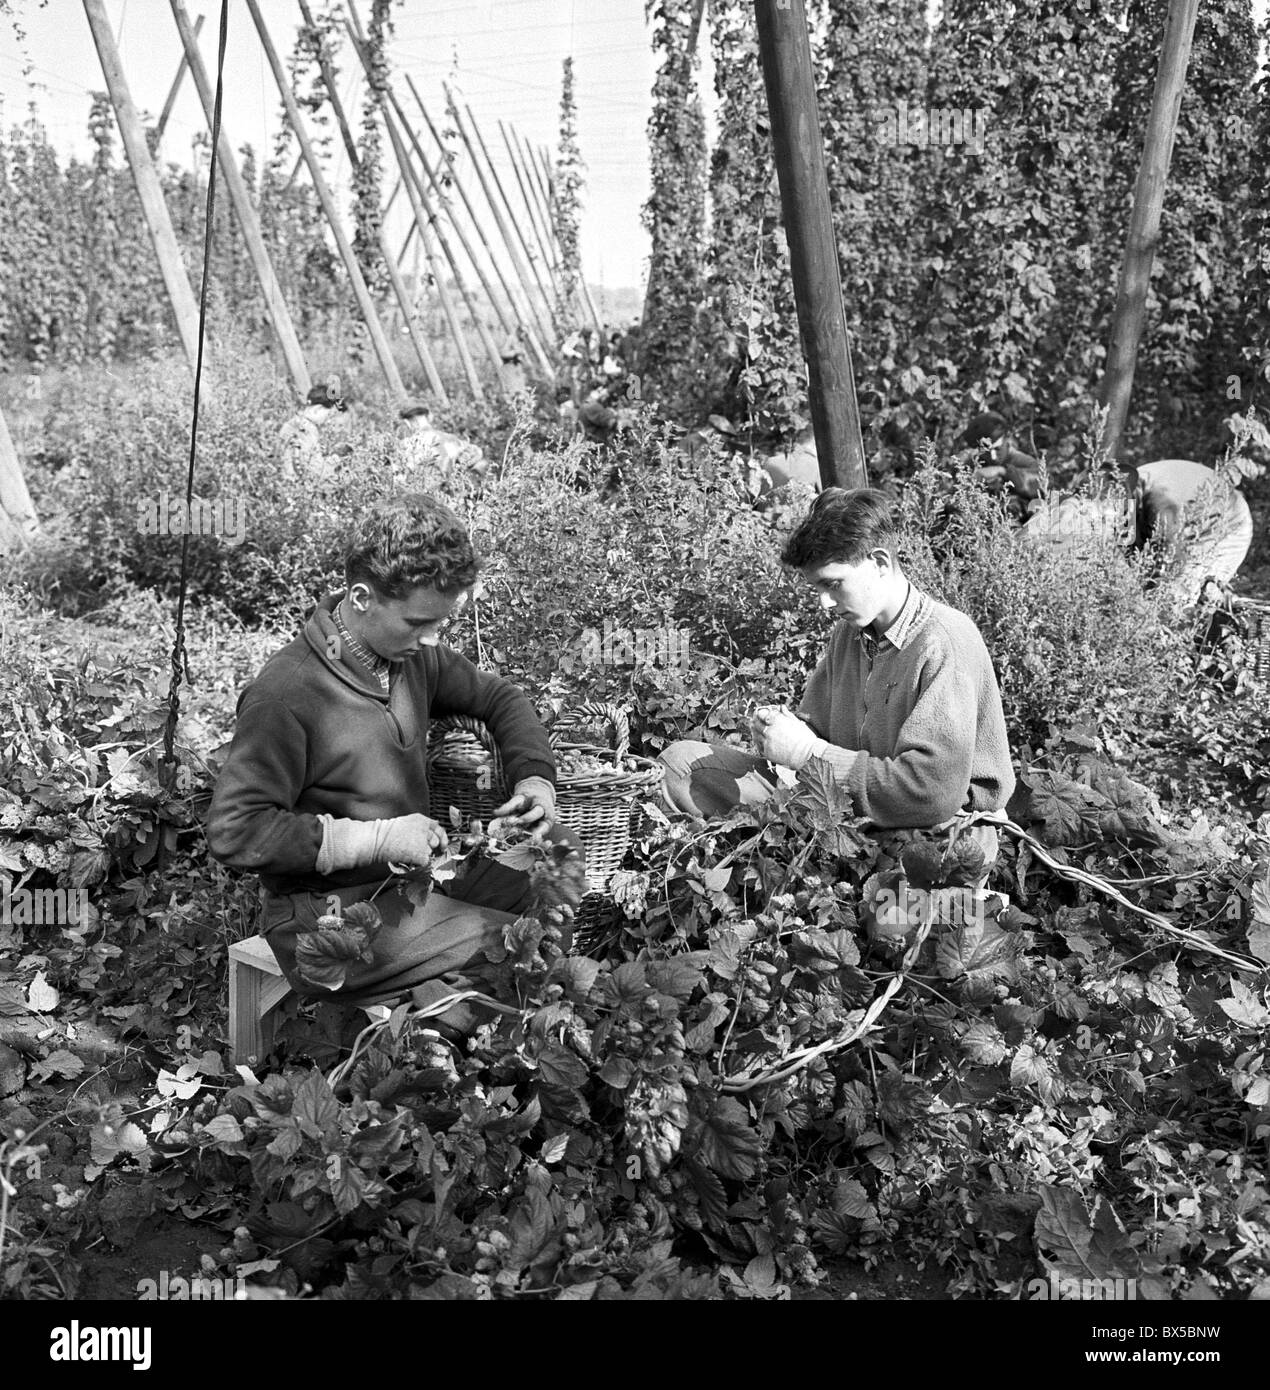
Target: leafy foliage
566, 193
675, 213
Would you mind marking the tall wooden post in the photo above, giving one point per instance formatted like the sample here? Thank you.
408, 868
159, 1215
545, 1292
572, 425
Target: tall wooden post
149, 192
785, 52
275, 304
424, 221
542, 200
421, 217
440, 200
365, 303
543, 239
517, 223
504, 231
1144, 222
544, 363
391, 266
174, 90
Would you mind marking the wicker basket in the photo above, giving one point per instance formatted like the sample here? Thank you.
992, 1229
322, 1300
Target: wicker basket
1254, 618
466, 771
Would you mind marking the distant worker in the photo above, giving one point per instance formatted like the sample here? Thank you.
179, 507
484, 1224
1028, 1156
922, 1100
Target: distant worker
429, 453
598, 418
1006, 465
301, 436
1195, 509
514, 379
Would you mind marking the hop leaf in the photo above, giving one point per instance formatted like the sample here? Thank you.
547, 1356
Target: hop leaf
963, 863
323, 957
983, 1043
726, 1141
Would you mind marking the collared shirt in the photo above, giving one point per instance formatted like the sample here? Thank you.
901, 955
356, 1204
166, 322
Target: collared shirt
915, 611
379, 666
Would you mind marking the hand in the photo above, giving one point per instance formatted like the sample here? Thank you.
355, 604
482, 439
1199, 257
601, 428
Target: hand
532, 803
413, 840
786, 739
759, 721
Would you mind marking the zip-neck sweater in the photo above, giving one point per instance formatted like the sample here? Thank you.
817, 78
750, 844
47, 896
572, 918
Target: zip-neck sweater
317, 735
913, 721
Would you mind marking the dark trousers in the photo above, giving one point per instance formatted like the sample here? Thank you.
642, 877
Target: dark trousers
423, 953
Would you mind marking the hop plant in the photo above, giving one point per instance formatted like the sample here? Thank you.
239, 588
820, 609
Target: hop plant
656, 1114
559, 880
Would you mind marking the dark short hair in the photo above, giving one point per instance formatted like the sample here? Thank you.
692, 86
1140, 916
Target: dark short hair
843, 527
411, 542
326, 393
983, 429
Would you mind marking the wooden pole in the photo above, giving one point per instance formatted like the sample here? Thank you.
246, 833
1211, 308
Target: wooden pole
17, 511
275, 304
537, 196
328, 79
149, 190
516, 222
175, 88
421, 350
544, 363
504, 231
509, 316
435, 223
424, 221
785, 53
543, 239
1144, 222
365, 304
431, 227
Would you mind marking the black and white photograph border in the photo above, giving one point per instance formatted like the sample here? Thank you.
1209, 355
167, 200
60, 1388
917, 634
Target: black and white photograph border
635, 660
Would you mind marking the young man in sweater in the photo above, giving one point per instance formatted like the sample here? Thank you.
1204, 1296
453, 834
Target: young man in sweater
903, 708
326, 786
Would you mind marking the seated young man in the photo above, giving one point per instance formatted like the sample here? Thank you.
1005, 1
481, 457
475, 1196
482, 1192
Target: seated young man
326, 781
904, 706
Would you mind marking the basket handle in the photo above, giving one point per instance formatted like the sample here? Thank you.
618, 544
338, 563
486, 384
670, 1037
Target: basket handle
463, 723
612, 715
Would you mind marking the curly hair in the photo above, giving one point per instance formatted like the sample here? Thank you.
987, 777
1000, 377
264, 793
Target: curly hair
843, 527
410, 542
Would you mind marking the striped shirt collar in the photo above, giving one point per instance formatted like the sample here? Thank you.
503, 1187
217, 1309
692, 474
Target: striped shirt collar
378, 666
916, 609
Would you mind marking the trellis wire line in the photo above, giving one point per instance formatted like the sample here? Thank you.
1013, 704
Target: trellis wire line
178, 645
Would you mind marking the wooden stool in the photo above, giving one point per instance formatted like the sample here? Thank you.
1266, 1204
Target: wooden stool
256, 987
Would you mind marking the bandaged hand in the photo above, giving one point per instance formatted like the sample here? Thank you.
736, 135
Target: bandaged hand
783, 738
532, 803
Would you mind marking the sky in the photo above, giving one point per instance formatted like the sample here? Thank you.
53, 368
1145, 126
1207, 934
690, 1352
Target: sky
505, 57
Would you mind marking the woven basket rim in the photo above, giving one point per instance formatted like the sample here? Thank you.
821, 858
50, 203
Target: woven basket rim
620, 782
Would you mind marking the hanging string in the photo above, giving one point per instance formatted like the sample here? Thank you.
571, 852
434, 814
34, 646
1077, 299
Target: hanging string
179, 662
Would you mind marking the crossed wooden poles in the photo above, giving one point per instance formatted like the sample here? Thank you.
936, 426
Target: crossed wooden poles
509, 245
